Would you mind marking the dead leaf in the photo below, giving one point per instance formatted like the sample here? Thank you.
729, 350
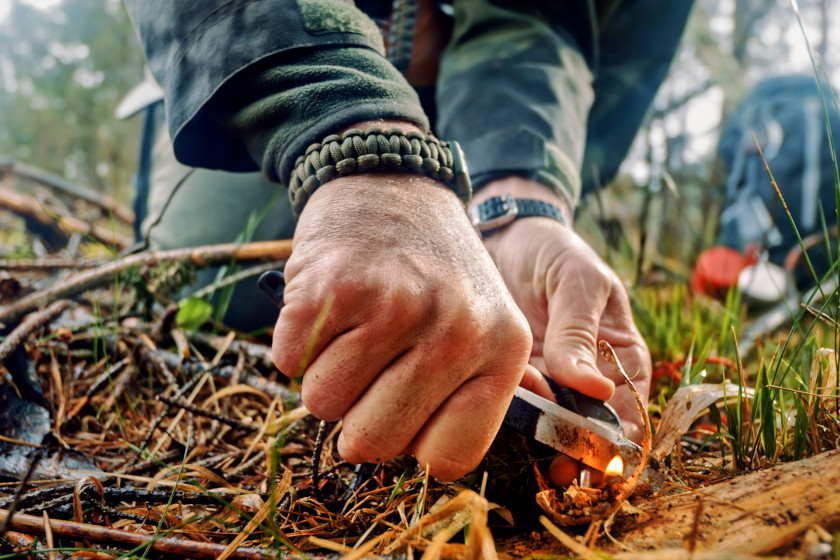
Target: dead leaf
688, 404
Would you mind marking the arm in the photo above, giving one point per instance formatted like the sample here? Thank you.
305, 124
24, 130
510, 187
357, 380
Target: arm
394, 313
516, 91
254, 82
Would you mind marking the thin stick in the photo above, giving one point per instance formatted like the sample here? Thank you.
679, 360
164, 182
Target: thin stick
189, 407
49, 263
208, 255
30, 207
94, 533
630, 485
568, 541
33, 464
49, 536
19, 442
316, 459
28, 326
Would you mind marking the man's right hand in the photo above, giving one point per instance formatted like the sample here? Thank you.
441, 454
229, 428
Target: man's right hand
421, 345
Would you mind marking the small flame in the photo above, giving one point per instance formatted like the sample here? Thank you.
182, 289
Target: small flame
616, 466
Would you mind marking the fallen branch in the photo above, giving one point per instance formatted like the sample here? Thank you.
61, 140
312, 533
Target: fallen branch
165, 545
204, 256
101, 200
752, 514
28, 206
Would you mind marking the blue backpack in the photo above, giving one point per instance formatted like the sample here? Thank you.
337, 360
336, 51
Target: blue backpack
787, 117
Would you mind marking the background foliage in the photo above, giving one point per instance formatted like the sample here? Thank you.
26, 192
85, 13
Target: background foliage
62, 72
64, 68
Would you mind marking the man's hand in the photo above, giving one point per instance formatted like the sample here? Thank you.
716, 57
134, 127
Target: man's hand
571, 299
400, 323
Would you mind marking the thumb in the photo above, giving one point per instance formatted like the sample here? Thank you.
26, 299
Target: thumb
575, 306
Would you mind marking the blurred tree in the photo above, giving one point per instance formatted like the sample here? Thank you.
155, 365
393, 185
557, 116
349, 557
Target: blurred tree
62, 73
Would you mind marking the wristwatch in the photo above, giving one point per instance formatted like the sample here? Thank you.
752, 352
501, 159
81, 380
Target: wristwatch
499, 211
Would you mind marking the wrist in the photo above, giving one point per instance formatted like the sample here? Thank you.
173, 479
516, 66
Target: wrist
372, 206
385, 124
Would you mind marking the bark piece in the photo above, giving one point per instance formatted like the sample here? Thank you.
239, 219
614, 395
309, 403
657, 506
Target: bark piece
750, 514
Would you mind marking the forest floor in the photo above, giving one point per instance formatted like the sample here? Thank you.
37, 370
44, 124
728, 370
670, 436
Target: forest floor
135, 424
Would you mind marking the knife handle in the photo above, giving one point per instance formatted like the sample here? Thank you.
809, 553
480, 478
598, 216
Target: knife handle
273, 284
585, 406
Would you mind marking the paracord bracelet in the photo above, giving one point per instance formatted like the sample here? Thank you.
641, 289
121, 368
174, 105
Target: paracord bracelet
374, 149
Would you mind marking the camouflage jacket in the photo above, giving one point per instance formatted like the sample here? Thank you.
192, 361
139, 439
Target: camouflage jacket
552, 90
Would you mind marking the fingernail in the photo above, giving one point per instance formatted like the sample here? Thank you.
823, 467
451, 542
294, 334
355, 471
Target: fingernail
273, 283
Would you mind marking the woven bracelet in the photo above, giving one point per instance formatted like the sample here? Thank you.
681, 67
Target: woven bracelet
374, 149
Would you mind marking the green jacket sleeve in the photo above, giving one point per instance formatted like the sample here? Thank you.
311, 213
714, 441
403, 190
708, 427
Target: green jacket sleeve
253, 82
554, 91
515, 90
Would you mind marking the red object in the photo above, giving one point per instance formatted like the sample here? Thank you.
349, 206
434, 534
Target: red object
717, 270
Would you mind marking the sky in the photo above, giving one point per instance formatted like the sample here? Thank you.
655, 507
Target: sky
5, 5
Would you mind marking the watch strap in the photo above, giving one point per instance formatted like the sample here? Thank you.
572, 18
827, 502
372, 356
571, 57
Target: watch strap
375, 149
499, 211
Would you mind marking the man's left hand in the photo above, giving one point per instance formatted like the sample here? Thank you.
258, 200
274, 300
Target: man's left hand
571, 300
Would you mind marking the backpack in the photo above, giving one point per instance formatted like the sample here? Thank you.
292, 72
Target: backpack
786, 115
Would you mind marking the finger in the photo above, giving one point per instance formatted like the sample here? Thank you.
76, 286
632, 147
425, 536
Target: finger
575, 305
344, 370
535, 381
460, 432
632, 353
619, 329
302, 330
386, 418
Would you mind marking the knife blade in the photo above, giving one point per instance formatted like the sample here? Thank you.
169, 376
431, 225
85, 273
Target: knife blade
591, 441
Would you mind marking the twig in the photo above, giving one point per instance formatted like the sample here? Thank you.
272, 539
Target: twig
33, 464
568, 541
316, 458
49, 263
267, 386
239, 276
164, 545
232, 422
163, 413
204, 256
147, 352
28, 326
630, 485
49, 535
